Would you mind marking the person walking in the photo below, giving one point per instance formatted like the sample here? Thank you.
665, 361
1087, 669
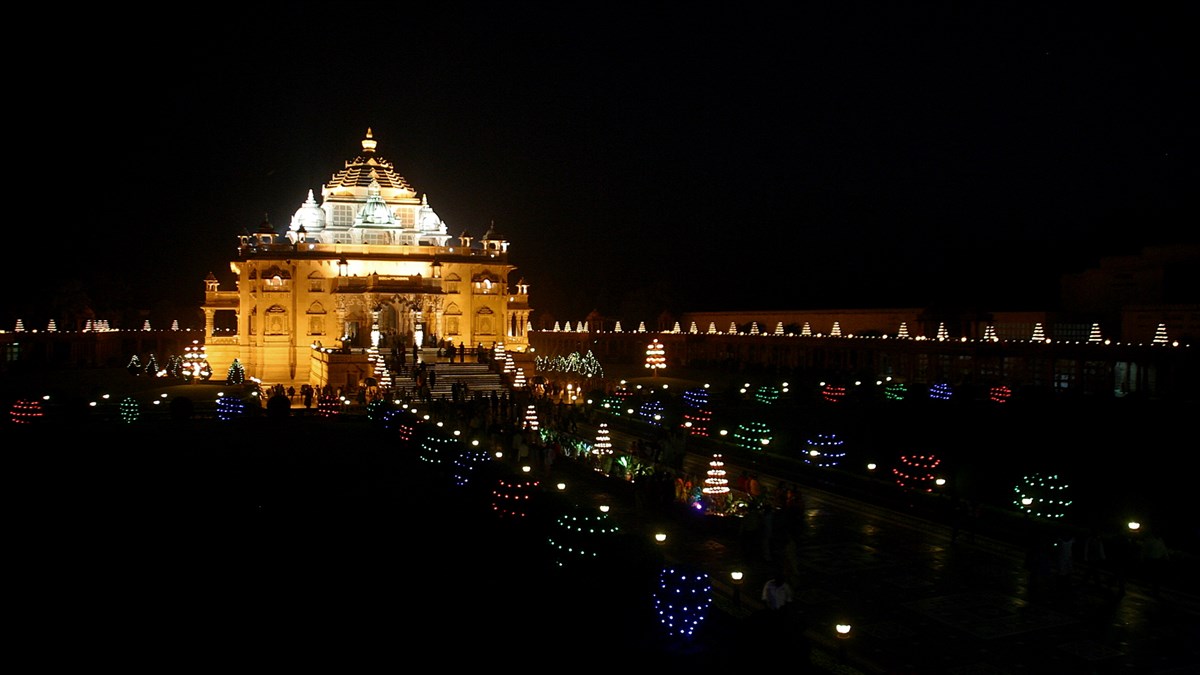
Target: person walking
777, 599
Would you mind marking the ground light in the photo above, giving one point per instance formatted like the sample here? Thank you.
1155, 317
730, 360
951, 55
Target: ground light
736, 577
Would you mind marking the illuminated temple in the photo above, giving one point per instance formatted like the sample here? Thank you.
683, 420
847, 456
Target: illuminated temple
369, 268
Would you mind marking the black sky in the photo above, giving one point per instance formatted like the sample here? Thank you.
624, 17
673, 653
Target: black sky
841, 154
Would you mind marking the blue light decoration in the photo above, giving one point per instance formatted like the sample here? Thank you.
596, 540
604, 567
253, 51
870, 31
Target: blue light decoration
696, 416
895, 391
512, 499
833, 393
651, 413
941, 392
682, 600
1000, 394
230, 407
581, 537
130, 410
467, 463
824, 450
752, 436
695, 398
1044, 496
916, 472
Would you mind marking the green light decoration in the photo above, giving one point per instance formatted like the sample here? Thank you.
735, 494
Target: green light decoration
436, 448
612, 403
130, 410
767, 394
895, 391
236, 374
752, 436
1043, 496
587, 365
376, 409
175, 366
582, 536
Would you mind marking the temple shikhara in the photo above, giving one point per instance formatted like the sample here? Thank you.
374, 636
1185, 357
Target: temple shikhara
370, 268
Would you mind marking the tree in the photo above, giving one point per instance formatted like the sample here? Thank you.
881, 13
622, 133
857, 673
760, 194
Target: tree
237, 373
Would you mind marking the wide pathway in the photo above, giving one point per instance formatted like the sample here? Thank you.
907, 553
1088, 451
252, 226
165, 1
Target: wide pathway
917, 601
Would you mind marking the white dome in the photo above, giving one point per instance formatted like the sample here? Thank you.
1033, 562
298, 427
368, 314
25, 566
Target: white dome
310, 215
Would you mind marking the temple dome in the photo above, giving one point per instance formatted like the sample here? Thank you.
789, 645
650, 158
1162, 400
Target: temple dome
310, 215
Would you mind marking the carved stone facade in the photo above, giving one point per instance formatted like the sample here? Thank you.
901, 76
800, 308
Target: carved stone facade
370, 267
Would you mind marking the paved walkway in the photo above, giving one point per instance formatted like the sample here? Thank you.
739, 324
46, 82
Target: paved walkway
916, 601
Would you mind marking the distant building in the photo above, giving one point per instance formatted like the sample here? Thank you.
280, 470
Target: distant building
370, 268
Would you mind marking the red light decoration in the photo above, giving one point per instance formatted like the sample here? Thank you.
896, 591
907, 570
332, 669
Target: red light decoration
916, 472
513, 499
833, 394
1000, 394
26, 411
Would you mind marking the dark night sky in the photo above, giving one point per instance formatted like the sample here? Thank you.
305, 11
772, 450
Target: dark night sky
830, 155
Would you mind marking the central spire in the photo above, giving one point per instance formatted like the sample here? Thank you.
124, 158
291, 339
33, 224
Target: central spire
368, 142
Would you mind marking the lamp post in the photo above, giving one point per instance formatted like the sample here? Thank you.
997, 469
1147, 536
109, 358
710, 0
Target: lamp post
843, 634
736, 576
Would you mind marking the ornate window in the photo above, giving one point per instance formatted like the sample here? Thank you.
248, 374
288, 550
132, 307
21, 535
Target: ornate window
452, 314
343, 215
383, 237
276, 321
485, 323
316, 283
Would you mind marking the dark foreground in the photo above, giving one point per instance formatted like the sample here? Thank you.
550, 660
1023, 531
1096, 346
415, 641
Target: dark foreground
301, 541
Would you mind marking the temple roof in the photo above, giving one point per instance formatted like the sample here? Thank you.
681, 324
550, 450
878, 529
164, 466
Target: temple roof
368, 167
